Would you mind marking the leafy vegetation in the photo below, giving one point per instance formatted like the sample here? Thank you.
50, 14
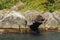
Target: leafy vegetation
40, 5
7, 3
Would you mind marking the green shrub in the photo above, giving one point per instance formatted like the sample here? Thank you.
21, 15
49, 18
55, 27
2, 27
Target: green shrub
7, 3
40, 5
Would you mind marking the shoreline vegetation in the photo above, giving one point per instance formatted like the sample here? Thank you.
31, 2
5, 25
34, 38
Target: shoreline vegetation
38, 5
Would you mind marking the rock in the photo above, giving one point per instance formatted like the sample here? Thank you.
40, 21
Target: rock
52, 19
18, 6
15, 19
31, 15
12, 20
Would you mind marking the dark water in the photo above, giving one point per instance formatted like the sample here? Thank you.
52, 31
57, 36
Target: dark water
41, 36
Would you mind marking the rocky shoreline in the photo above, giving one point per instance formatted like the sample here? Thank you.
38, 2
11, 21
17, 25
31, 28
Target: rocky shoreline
26, 30
17, 20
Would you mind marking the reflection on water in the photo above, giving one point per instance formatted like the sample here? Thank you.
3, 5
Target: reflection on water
41, 36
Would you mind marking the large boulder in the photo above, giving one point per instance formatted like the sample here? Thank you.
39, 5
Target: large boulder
15, 19
52, 19
12, 20
32, 16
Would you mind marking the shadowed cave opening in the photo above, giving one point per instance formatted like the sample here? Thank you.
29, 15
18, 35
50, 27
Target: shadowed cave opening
36, 24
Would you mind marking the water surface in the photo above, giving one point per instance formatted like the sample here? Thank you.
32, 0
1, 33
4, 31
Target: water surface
41, 36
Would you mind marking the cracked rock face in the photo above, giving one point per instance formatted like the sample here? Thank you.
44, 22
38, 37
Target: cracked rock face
12, 21
34, 19
31, 16
16, 19
53, 19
